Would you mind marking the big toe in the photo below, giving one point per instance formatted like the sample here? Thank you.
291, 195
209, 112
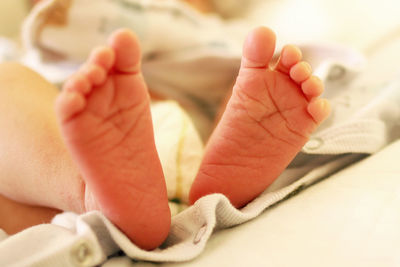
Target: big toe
127, 51
258, 48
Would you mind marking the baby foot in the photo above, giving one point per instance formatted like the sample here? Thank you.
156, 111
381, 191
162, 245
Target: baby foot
104, 115
268, 119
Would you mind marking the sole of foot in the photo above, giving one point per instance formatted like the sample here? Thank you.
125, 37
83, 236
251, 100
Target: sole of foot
268, 119
104, 116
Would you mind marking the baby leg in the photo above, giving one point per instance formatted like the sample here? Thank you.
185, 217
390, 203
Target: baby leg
16, 216
35, 167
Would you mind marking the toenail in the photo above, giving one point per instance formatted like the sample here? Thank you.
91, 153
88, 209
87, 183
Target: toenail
294, 57
314, 143
307, 67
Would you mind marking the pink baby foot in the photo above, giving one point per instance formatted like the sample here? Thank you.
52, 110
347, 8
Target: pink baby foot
268, 119
104, 116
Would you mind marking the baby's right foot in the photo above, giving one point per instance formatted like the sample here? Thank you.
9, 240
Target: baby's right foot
269, 117
104, 115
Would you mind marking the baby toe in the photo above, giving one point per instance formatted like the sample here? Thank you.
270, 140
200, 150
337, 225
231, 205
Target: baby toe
290, 56
319, 109
125, 45
312, 87
69, 103
102, 56
300, 72
77, 83
95, 74
258, 48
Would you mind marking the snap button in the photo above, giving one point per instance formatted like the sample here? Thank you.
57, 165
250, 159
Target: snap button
82, 254
314, 143
337, 72
200, 234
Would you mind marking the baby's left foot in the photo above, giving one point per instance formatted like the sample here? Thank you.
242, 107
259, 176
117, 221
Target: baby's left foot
268, 119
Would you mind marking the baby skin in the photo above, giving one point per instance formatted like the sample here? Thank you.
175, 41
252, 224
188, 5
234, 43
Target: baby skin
105, 120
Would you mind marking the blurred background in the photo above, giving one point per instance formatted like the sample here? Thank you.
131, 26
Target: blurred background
12, 13
371, 27
357, 23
